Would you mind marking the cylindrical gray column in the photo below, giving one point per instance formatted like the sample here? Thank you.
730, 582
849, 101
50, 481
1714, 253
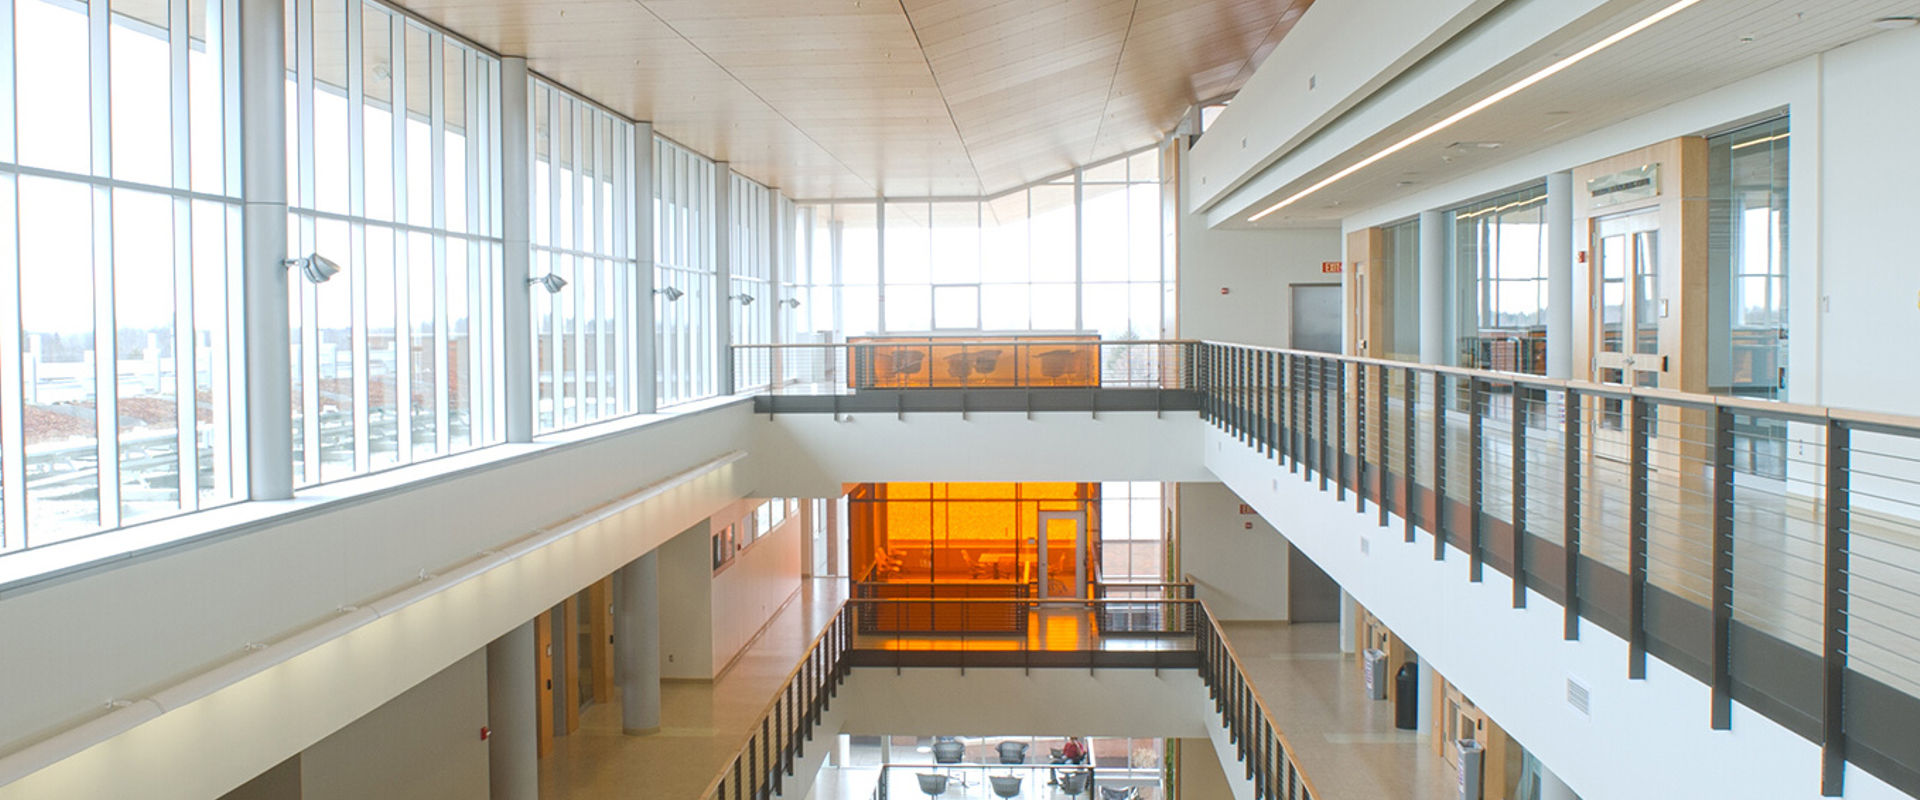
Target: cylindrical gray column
1552, 788
1433, 287
513, 752
516, 317
646, 380
263, 181
1560, 275
636, 644
1346, 622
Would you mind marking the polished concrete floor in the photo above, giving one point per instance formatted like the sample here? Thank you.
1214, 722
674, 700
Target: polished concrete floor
703, 724
1345, 744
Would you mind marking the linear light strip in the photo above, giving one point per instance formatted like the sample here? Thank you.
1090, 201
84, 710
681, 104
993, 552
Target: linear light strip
1456, 117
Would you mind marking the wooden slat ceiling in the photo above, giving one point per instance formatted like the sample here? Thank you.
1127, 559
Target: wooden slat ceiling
857, 98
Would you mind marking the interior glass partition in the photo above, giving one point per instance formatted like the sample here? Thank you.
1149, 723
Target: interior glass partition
1747, 320
1497, 276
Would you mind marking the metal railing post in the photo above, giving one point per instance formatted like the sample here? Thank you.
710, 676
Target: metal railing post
1833, 644
1570, 516
1519, 513
1638, 432
1386, 434
1721, 657
1438, 523
1410, 436
1476, 487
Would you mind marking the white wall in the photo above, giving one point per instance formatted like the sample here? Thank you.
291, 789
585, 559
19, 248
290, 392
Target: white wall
1015, 702
1514, 663
1238, 561
1869, 166
747, 592
686, 605
1255, 267
810, 455
423, 745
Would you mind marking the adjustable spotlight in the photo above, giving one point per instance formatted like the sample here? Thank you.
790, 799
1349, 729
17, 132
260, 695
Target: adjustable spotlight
314, 267
550, 282
744, 298
791, 302
671, 293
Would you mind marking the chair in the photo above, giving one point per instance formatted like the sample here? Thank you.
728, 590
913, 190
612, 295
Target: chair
948, 752
958, 367
1074, 784
985, 361
932, 783
907, 363
1012, 752
1123, 793
1055, 363
1005, 785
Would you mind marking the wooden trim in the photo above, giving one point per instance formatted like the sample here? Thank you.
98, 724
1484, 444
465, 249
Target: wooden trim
570, 656
600, 620
543, 680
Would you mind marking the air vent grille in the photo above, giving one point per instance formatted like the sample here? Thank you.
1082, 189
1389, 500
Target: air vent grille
1578, 696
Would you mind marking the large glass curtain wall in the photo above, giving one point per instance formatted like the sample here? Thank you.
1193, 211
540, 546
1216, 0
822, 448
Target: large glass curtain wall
586, 335
750, 271
685, 274
1497, 271
119, 249
1074, 253
393, 161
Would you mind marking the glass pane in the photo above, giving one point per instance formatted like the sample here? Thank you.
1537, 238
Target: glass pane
149, 415
140, 94
956, 307
56, 318
50, 37
1648, 304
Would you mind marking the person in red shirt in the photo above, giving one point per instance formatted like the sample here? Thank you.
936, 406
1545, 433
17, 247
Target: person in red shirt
1075, 751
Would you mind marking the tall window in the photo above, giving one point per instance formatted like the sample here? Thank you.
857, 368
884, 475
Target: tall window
394, 163
1009, 262
1132, 539
586, 335
1120, 247
1747, 253
750, 274
1499, 273
119, 249
1399, 267
685, 272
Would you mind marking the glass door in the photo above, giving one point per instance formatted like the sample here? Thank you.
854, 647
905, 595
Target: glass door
1061, 563
1628, 299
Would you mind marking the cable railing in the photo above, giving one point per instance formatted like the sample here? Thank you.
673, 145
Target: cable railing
1793, 588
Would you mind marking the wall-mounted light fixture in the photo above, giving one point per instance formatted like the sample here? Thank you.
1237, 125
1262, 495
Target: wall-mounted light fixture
550, 282
670, 293
314, 267
744, 298
791, 302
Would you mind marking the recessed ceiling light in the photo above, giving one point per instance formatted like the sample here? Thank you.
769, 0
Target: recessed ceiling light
1474, 146
1895, 23
1747, 39
1511, 90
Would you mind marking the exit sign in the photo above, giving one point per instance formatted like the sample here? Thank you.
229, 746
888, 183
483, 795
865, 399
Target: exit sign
1330, 266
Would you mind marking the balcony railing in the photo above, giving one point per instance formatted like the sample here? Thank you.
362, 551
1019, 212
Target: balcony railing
1794, 591
958, 363
1163, 628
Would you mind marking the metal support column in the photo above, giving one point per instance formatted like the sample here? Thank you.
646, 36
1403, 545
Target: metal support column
516, 315
263, 180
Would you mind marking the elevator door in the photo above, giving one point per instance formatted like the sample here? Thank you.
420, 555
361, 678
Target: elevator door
1316, 317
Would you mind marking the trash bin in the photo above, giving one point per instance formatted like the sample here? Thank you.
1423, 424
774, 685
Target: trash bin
1471, 758
1406, 697
1375, 667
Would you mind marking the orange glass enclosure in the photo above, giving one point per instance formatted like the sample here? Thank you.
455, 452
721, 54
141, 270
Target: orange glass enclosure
971, 540
972, 361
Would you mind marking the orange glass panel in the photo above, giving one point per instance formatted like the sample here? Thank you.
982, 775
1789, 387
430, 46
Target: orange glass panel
990, 361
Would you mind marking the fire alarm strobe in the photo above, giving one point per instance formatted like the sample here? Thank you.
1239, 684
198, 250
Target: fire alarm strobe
485, 732
1225, 290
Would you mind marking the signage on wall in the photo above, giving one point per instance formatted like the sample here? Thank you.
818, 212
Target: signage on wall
1625, 187
1246, 510
1331, 267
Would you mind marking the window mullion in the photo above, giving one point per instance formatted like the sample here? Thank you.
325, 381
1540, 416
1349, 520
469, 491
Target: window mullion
106, 388
437, 111
13, 470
